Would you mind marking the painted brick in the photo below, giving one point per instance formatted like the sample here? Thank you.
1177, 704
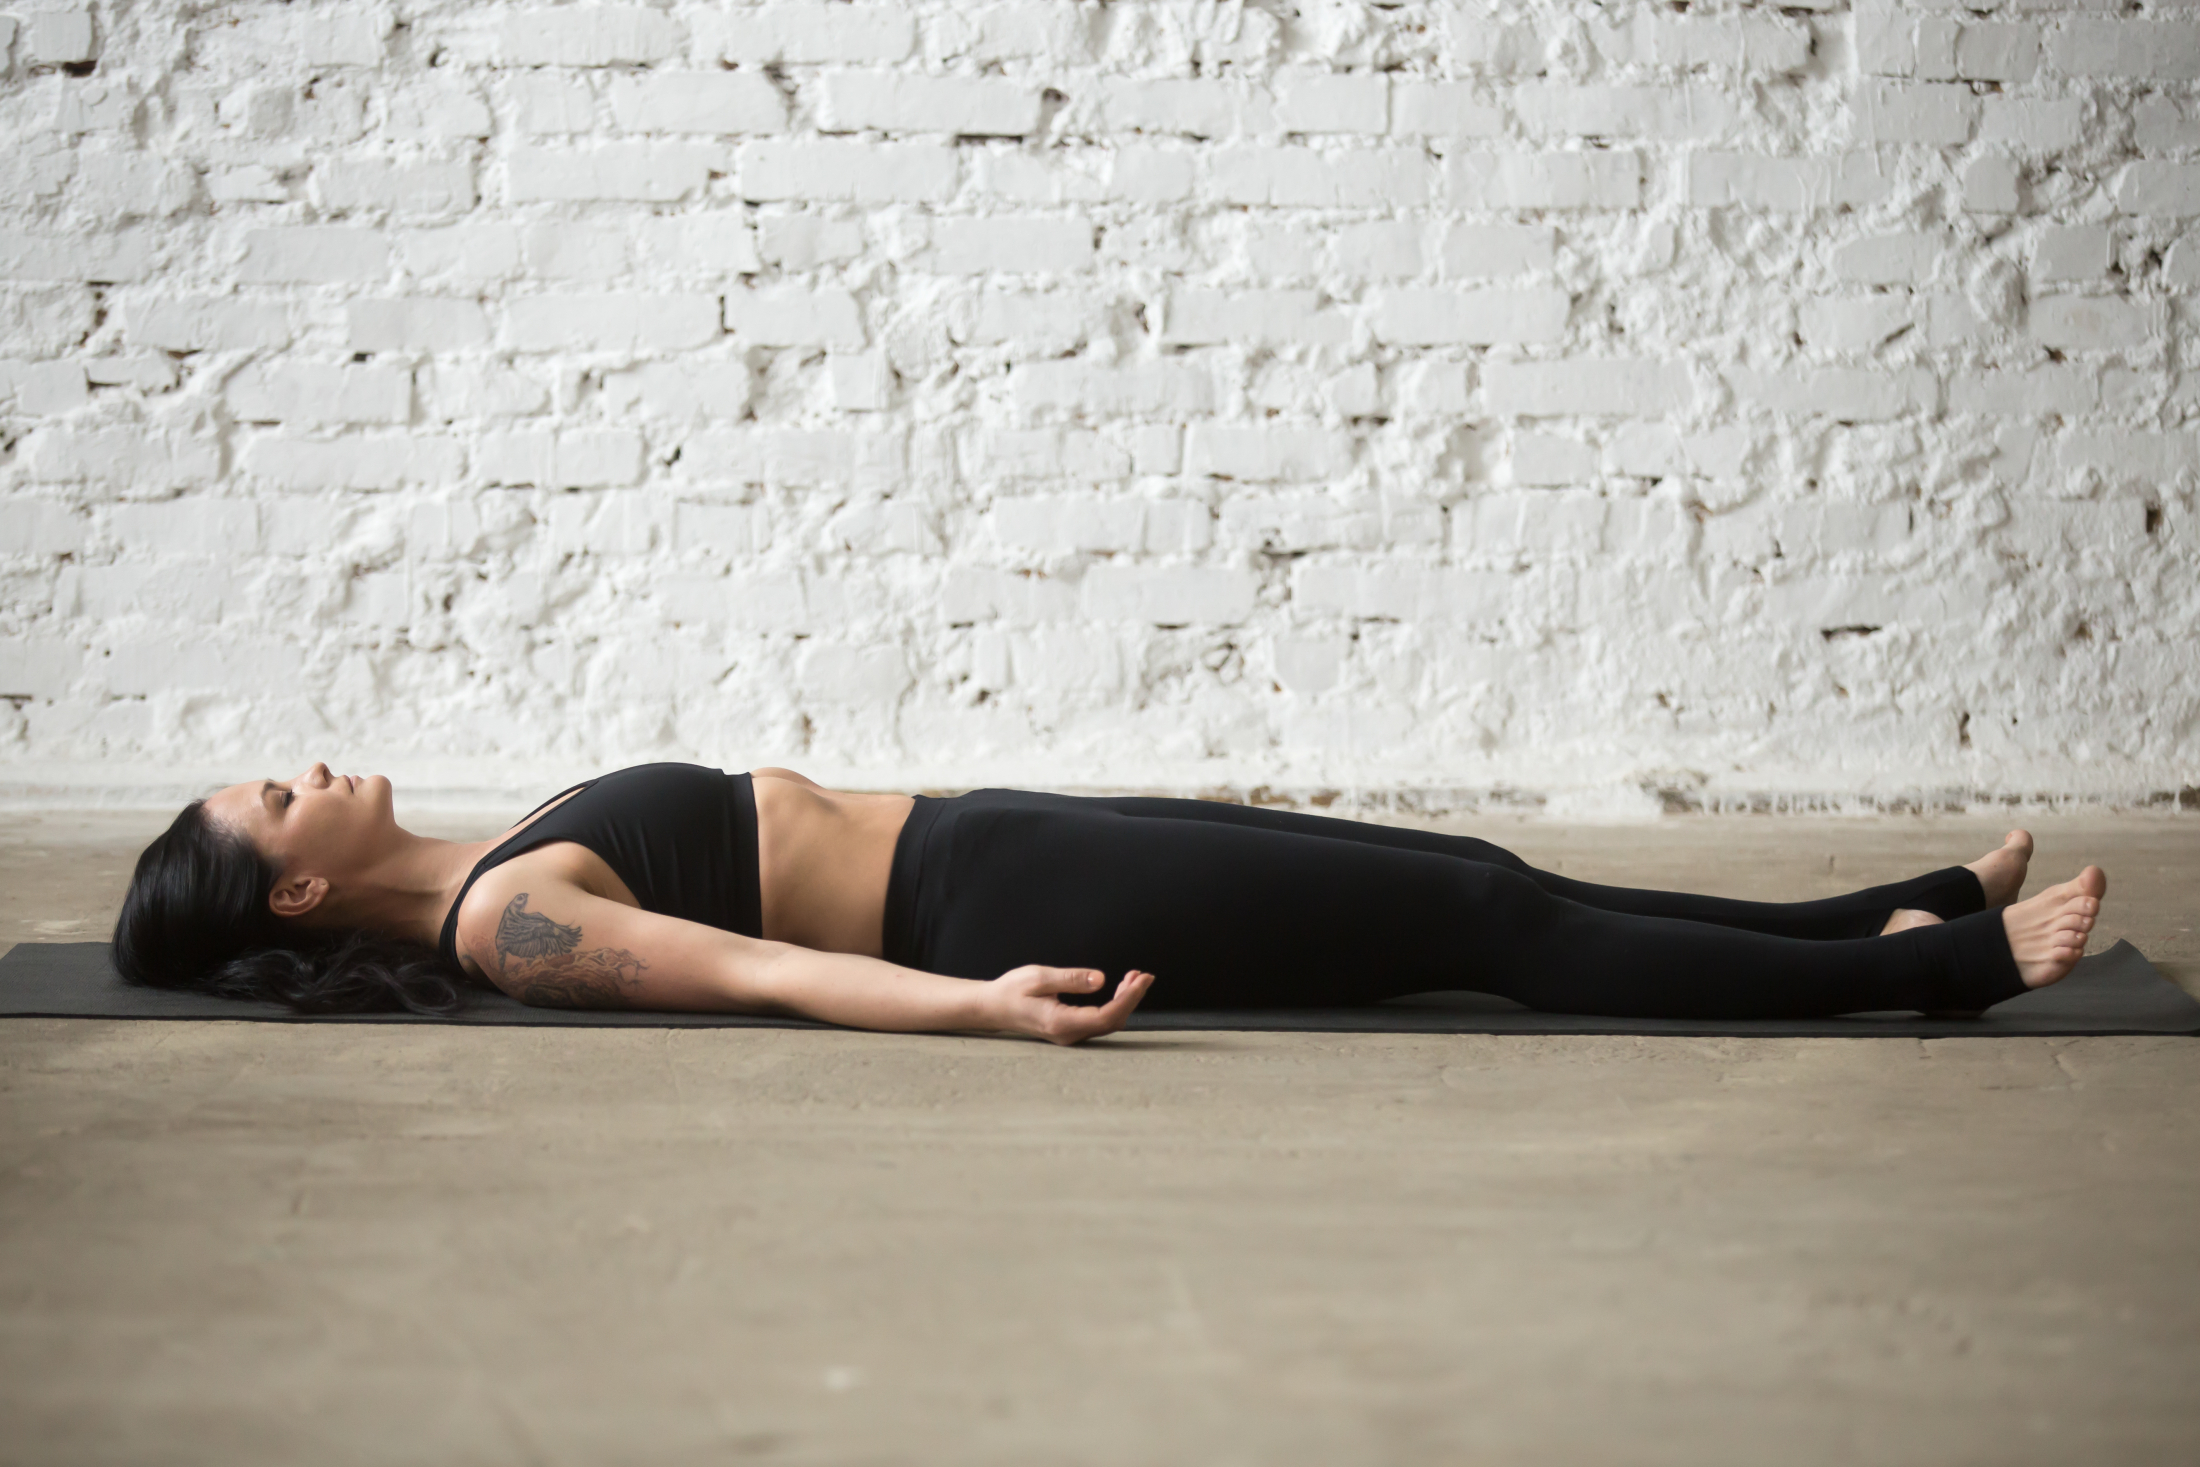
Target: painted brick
1322, 102
314, 255
1851, 394
2031, 123
320, 392
1764, 182
847, 171
862, 382
461, 252
40, 528
560, 458
1169, 595
682, 390
1855, 324
1547, 460
1907, 258
708, 245
1162, 387
793, 315
2157, 51
58, 37
1082, 524
1539, 524
1993, 184
1943, 116
2166, 190
2143, 458
1073, 453
2085, 323
354, 461
806, 33
574, 252
1444, 109
408, 190
416, 323
1403, 593
1563, 110
1383, 250
1586, 387
1008, 245
1590, 180
1304, 178
2023, 392
722, 529
552, 105
1295, 522
1270, 451
611, 322
1472, 317
1196, 108
1745, 43
1488, 251
2008, 53
893, 103
40, 389
587, 35
796, 457
697, 102
640, 172
2071, 252
138, 458
1281, 317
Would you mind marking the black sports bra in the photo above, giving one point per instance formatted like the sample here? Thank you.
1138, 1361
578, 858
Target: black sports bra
681, 836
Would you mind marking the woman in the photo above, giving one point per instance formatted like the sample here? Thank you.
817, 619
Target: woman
673, 886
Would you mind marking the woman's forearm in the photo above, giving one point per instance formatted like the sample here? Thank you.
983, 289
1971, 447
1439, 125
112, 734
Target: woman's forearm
863, 993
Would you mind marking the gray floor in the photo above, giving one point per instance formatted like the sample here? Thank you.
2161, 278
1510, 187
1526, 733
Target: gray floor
240, 1243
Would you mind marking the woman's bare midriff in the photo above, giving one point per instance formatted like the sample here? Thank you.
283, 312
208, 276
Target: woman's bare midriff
823, 857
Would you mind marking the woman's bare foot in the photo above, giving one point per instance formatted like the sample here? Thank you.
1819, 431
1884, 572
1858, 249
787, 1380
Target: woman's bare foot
2002, 872
2047, 934
1905, 918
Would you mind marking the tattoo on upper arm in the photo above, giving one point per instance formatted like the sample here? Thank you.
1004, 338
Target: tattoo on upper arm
540, 961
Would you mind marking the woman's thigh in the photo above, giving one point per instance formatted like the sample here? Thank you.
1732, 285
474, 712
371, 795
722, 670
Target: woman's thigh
1255, 817
1224, 913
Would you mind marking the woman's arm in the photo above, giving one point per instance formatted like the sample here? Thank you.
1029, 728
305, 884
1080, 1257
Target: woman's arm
869, 993
549, 943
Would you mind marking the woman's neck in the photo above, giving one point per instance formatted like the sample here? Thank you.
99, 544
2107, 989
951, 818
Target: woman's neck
407, 892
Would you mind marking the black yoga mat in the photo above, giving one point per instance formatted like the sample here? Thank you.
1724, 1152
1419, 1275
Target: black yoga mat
2116, 992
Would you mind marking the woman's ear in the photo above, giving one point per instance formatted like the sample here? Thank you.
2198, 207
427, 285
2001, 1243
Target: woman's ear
294, 896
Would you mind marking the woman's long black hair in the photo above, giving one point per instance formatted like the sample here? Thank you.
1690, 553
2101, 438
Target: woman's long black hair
196, 917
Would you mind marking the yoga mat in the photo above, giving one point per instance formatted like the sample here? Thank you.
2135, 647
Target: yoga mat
2116, 992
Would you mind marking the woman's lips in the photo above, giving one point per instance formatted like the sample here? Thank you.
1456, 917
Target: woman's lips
353, 781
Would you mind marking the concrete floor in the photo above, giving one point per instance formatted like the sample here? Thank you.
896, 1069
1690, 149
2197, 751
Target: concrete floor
236, 1243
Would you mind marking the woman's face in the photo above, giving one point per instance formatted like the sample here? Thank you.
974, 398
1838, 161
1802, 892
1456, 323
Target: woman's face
319, 828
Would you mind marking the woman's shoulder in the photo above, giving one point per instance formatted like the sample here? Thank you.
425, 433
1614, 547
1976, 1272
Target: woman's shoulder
530, 877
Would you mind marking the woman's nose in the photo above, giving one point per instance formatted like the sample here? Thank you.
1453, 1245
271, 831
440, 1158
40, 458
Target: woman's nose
320, 775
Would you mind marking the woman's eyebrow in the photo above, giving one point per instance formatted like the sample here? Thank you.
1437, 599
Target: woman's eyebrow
267, 787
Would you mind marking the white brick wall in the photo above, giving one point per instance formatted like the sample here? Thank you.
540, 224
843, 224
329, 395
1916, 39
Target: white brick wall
1612, 404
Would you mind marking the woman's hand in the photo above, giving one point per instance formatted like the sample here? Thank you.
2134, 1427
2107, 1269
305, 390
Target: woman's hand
1022, 1001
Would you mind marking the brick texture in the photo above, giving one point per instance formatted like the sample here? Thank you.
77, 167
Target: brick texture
1597, 404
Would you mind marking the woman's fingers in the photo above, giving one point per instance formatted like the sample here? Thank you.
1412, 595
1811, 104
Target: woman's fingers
1073, 1024
1045, 980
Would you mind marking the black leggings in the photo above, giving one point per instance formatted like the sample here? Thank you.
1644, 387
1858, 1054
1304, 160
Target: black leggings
1235, 907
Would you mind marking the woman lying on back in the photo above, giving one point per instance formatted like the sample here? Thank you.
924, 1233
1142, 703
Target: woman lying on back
678, 887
